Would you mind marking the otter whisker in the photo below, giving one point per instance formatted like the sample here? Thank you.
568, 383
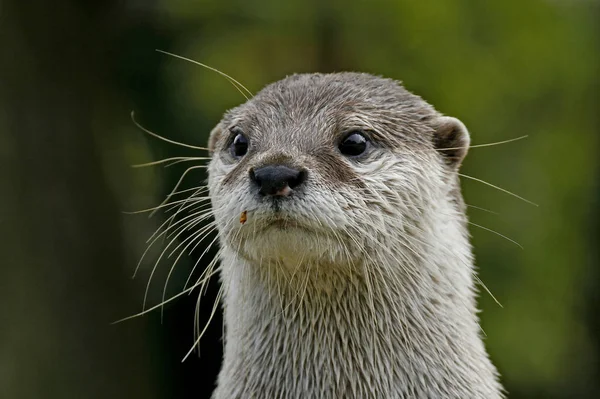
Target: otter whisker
164, 138
207, 273
296, 292
179, 230
212, 313
161, 230
195, 197
175, 159
195, 206
156, 265
278, 275
234, 82
482, 209
370, 287
473, 273
498, 188
296, 269
173, 205
182, 160
300, 301
368, 282
480, 281
203, 212
150, 309
495, 232
407, 242
491, 144
393, 255
143, 312
153, 238
279, 293
191, 220
204, 187
191, 241
178, 183
194, 202
477, 145
196, 321
201, 233
200, 282
203, 281
213, 228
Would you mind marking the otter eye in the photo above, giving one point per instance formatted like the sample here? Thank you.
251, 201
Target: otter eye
239, 147
353, 144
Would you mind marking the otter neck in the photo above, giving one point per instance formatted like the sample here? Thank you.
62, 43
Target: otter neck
398, 325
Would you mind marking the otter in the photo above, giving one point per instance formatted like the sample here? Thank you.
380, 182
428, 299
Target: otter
346, 266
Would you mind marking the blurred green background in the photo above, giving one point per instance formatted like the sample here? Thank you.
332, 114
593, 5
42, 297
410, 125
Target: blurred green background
72, 71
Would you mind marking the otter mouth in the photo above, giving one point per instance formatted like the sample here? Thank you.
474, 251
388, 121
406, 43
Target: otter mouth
276, 213
275, 218
285, 224
275, 203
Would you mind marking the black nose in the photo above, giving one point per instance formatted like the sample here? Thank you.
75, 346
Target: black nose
277, 180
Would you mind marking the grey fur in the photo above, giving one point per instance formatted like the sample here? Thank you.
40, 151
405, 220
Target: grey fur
364, 286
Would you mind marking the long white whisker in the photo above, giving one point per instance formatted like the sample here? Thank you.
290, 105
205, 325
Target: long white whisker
170, 204
212, 313
179, 230
190, 241
477, 145
176, 159
482, 209
164, 138
498, 234
154, 237
178, 183
201, 256
498, 188
235, 83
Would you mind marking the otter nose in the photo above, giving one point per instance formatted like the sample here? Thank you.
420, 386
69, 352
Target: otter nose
277, 180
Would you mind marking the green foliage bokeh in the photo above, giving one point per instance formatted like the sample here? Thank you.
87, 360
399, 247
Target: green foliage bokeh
506, 69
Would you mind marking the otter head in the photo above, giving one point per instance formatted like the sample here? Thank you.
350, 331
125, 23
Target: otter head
326, 167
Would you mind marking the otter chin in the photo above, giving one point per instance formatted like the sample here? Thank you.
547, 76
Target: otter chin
349, 273
283, 238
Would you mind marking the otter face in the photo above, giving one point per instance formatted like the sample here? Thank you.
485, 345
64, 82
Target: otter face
318, 164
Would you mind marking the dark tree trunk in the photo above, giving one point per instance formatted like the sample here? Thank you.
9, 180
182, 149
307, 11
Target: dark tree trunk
62, 273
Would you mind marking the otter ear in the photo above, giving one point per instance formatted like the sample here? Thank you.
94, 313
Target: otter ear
451, 139
214, 137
